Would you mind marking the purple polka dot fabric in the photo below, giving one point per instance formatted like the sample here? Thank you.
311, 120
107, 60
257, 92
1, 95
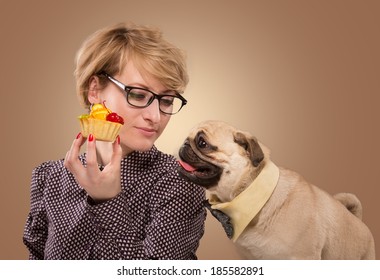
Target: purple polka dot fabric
158, 215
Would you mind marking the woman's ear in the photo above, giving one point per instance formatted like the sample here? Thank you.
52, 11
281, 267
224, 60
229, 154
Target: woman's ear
94, 90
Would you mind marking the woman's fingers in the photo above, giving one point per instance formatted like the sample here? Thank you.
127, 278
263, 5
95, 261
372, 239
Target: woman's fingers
117, 153
72, 161
99, 185
91, 158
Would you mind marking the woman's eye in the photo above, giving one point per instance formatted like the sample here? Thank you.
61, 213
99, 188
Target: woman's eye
167, 101
136, 95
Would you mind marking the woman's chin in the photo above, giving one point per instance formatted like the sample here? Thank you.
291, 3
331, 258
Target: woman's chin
141, 146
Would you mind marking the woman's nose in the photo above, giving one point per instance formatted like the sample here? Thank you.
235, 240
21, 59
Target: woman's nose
152, 112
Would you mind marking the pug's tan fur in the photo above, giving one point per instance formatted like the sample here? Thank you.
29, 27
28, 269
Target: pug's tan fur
299, 221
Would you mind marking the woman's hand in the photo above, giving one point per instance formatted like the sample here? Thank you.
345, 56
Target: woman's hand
99, 185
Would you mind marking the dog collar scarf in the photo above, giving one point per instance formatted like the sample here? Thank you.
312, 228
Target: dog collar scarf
244, 207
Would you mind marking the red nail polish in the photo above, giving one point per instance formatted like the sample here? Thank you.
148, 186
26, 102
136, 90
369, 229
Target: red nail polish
79, 135
90, 138
118, 139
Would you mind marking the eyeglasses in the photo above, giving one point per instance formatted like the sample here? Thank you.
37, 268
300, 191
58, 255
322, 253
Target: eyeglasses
170, 103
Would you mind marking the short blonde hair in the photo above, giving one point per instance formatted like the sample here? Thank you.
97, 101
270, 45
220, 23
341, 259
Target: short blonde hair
106, 50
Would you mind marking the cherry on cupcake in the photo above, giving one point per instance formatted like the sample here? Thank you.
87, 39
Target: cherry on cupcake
114, 117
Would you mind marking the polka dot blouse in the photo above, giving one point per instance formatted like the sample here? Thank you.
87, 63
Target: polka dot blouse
158, 215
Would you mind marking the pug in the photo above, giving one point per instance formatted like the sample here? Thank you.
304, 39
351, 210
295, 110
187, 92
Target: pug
270, 212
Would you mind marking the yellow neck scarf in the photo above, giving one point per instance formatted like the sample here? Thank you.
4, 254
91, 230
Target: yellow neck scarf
244, 207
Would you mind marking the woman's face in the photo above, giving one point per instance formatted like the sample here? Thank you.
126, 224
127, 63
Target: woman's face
142, 126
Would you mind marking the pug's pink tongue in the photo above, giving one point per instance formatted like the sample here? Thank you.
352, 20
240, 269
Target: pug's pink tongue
186, 166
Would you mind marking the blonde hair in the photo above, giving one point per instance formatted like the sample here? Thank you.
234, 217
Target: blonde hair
106, 50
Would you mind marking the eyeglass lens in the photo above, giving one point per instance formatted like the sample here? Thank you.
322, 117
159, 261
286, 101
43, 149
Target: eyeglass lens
169, 104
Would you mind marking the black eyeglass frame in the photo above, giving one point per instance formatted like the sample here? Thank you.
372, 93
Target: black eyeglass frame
127, 90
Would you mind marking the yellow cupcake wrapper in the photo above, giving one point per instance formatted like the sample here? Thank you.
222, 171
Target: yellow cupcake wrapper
101, 129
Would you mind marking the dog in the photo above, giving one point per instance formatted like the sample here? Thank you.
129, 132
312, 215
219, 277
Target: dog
270, 212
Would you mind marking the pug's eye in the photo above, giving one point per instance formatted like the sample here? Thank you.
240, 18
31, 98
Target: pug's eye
202, 144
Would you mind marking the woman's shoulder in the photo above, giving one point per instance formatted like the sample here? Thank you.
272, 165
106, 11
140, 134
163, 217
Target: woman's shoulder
49, 166
167, 165
47, 169
167, 160
155, 160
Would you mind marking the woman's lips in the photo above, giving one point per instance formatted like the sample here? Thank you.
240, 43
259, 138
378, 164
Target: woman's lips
146, 131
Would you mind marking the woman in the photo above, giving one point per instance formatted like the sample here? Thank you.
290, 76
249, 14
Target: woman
121, 200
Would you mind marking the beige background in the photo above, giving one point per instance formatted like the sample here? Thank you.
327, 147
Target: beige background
303, 76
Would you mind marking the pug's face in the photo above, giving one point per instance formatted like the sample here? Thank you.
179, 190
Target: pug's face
220, 158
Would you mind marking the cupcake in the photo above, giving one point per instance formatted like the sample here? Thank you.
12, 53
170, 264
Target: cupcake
101, 122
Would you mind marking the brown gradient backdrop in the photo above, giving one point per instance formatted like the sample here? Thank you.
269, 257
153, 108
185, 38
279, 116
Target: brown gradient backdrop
303, 76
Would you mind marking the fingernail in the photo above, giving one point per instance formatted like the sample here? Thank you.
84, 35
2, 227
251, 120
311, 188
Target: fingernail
118, 139
90, 138
79, 135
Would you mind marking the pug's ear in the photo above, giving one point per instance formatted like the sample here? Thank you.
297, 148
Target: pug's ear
252, 147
